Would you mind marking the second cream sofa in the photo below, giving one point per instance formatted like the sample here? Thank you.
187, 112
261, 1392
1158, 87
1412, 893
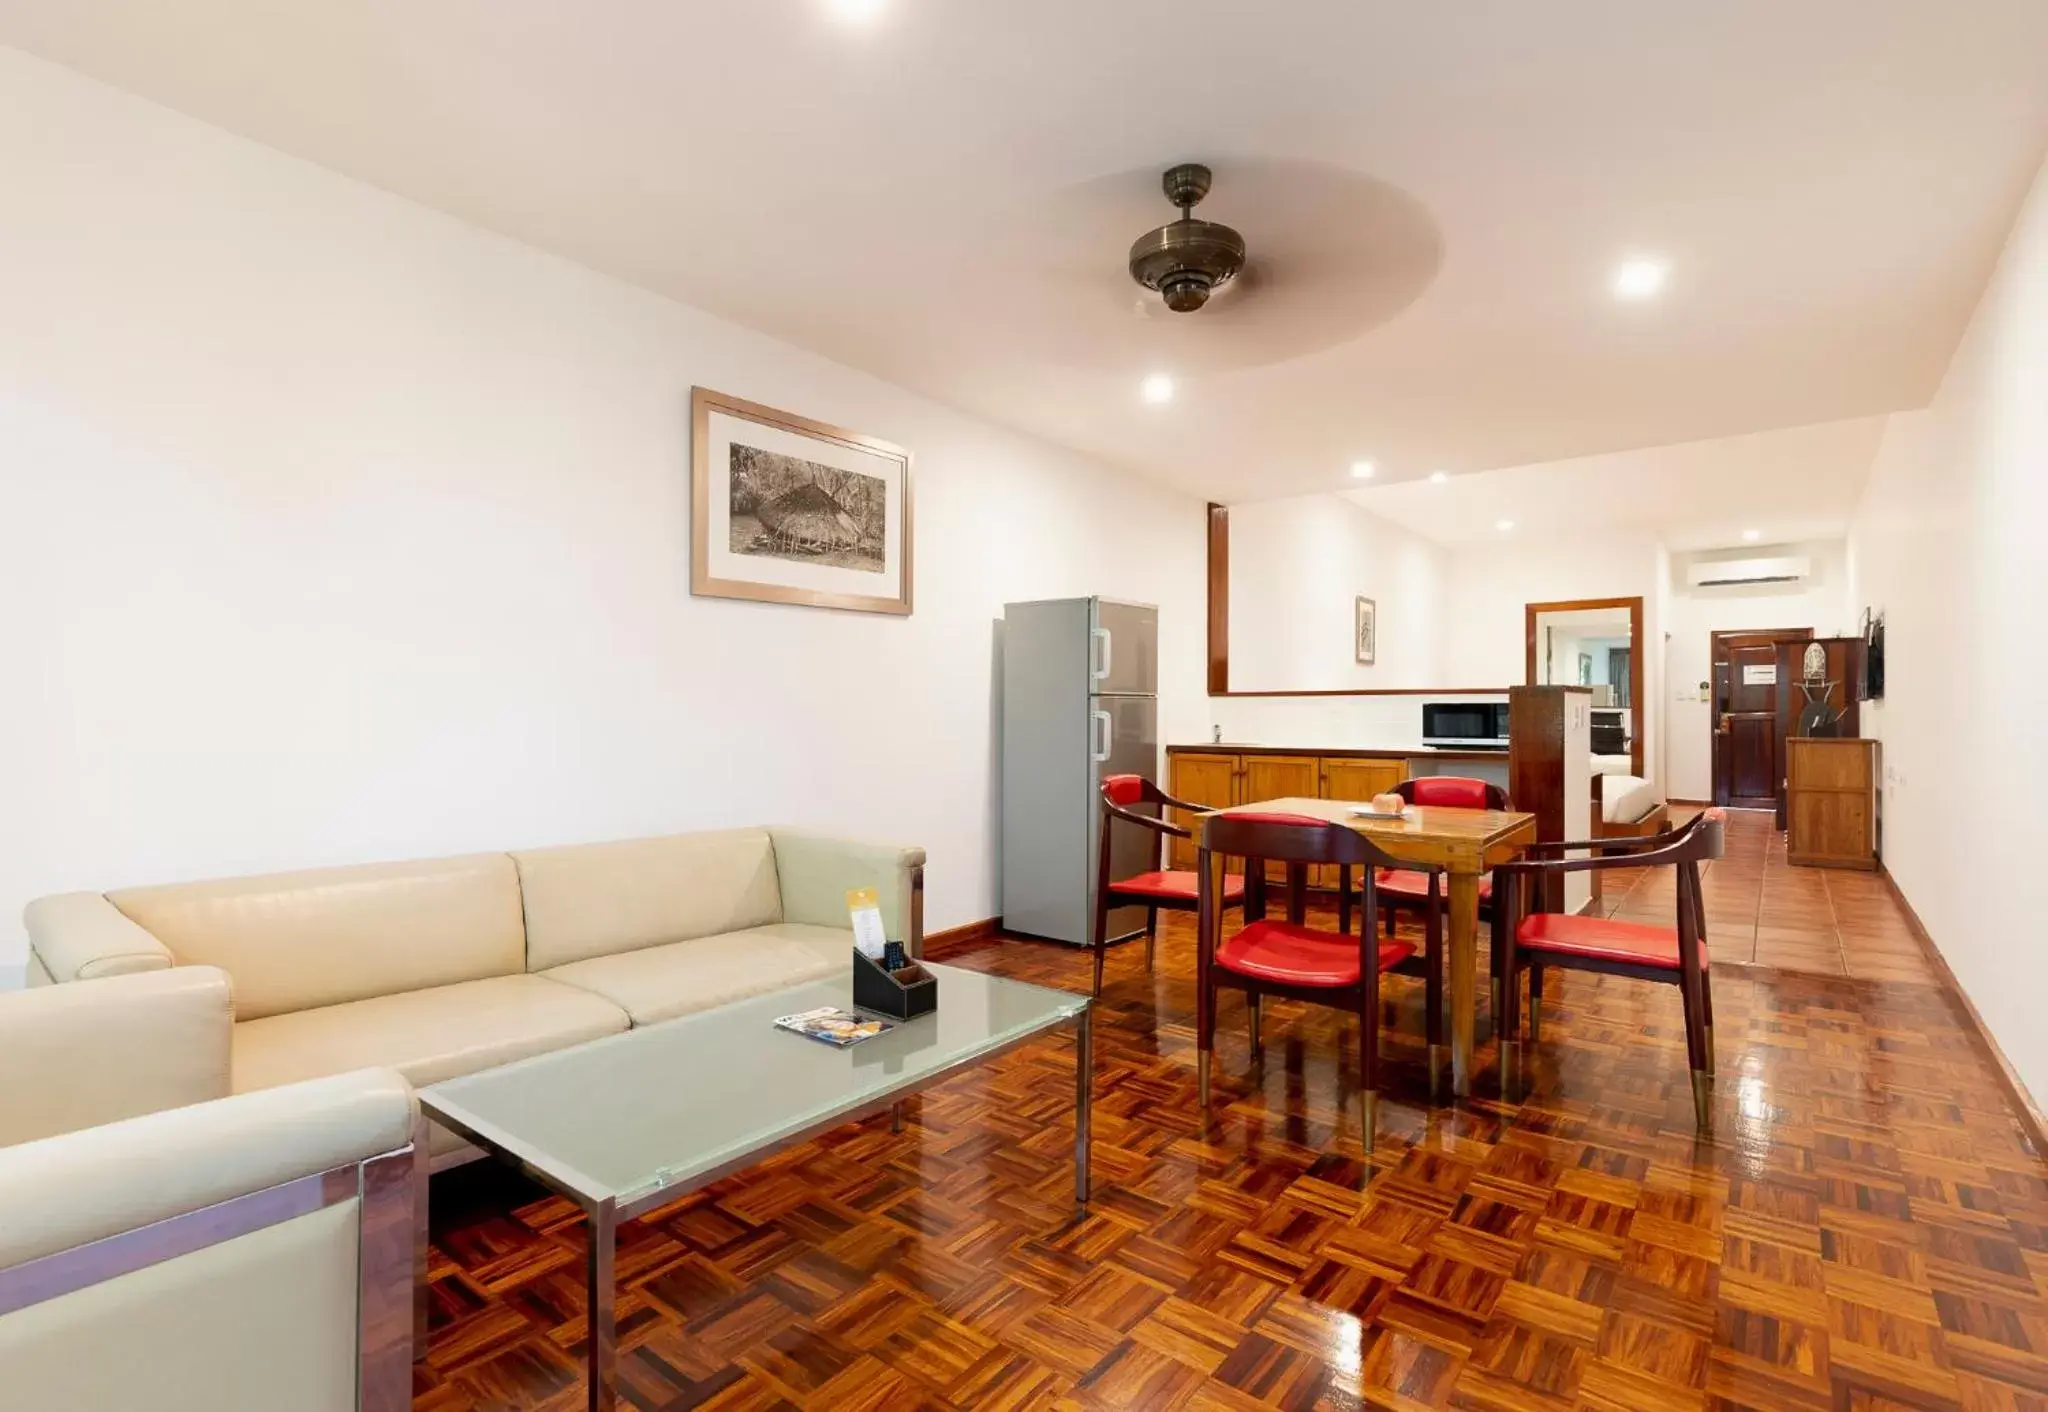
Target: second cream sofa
444, 967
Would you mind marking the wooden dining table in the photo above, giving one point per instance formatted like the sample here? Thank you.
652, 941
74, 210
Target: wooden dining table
1467, 844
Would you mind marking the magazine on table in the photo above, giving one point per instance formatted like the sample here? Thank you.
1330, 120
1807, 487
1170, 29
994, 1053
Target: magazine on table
833, 1026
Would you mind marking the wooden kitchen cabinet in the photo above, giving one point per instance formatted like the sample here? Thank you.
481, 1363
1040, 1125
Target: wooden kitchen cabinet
1831, 802
1208, 780
1357, 780
1279, 777
1360, 780
1218, 779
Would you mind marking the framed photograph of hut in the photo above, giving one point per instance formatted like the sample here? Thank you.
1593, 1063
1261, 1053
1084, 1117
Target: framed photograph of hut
1365, 631
788, 510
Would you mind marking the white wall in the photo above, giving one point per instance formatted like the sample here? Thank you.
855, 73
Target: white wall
1821, 602
1297, 568
334, 529
1948, 543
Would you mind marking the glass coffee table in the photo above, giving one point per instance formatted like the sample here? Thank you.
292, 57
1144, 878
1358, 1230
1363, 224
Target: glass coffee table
634, 1121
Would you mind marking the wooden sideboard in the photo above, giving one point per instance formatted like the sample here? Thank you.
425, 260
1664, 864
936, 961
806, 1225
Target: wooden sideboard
1218, 776
1831, 802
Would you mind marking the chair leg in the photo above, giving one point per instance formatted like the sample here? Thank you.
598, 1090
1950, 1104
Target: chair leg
1433, 982
1344, 898
1696, 1054
1251, 1010
1368, 1057
1151, 937
1099, 949
1707, 1012
1536, 1004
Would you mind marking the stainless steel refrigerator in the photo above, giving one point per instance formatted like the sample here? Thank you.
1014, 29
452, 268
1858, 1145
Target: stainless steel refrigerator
1080, 684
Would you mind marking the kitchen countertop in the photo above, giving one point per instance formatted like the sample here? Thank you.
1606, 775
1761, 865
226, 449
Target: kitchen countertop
1412, 752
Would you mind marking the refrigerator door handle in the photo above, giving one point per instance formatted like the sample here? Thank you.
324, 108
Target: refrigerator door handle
1102, 738
1102, 657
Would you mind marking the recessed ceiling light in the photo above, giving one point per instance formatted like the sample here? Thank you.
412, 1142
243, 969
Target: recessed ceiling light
1361, 470
1158, 389
1640, 278
1503, 525
859, 11
1439, 477
1752, 536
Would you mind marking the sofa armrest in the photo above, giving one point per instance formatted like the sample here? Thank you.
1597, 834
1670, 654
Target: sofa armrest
817, 871
80, 936
88, 1185
101, 1051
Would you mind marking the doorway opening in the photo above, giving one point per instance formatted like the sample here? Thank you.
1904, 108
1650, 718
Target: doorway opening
1748, 730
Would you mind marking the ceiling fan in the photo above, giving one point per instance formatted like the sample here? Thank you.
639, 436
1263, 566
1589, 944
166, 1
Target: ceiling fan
1187, 260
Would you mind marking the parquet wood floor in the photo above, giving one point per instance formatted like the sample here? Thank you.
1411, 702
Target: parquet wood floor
1866, 1226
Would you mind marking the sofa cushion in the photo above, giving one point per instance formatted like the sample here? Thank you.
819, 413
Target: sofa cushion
598, 899
662, 982
427, 1035
294, 941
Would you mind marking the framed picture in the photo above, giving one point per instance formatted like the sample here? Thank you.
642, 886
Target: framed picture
788, 510
1366, 631
1585, 669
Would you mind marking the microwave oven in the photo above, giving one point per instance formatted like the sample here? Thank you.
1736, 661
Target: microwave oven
1465, 725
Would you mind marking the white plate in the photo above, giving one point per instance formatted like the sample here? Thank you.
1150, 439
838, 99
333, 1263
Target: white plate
1361, 812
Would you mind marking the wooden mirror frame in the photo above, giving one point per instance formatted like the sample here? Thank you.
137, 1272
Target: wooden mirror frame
1638, 703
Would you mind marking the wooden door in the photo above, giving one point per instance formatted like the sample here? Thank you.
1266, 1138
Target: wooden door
1748, 741
1280, 777
1208, 780
1357, 781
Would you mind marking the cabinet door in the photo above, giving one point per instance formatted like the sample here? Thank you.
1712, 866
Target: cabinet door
1358, 781
1208, 780
1281, 777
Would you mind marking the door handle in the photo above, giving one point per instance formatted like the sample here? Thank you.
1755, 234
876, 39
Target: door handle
1102, 726
1104, 653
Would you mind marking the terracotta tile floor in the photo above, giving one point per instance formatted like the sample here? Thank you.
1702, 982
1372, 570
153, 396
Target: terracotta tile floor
1763, 911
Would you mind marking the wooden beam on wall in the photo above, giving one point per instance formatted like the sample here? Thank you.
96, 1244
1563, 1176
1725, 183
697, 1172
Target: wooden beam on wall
1219, 600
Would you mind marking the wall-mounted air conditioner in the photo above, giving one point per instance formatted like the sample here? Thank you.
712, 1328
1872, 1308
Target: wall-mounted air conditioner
1791, 569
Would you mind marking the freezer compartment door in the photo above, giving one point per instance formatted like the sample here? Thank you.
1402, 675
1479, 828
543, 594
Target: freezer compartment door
1125, 738
1123, 650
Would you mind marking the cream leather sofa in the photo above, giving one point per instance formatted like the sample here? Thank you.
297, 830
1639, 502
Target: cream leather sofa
444, 967
165, 1245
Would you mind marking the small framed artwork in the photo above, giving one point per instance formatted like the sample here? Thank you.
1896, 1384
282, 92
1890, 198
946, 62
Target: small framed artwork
788, 510
1585, 669
1366, 631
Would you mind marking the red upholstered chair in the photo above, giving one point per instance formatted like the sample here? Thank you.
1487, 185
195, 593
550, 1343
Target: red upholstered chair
1407, 888
1288, 959
1122, 796
1675, 955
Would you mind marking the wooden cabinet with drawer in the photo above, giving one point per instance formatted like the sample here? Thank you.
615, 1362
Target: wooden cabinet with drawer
1831, 802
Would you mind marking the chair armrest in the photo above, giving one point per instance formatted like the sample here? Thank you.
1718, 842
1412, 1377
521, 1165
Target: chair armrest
101, 1051
817, 871
80, 936
85, 1186
1172, 830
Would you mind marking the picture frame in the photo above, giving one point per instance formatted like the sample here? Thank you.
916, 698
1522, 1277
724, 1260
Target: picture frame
784, 509
1365, 631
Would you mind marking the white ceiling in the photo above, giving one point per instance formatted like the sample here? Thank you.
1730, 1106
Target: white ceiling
1435, 195
1797, 484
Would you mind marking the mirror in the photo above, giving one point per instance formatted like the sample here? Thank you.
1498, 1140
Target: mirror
1596, 643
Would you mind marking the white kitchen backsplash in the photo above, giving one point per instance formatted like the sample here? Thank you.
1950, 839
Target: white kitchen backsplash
1332, 722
